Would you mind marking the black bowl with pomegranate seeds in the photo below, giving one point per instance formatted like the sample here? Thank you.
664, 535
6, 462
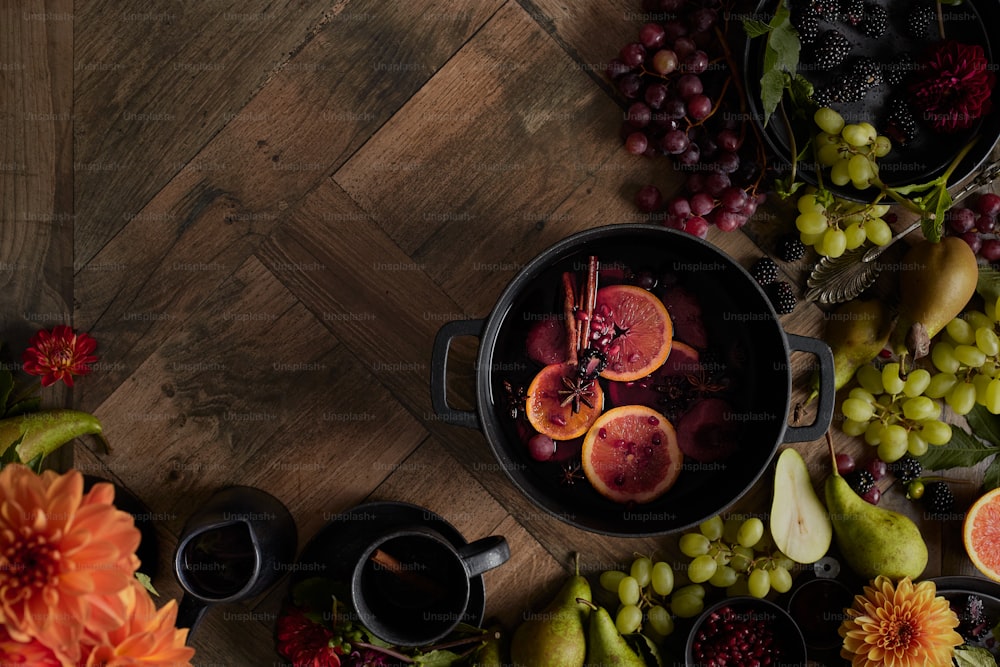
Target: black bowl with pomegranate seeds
745, 631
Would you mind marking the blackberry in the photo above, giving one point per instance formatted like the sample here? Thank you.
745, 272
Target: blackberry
860, 481
845, 89
868, 70
764, 271
807, 25
899, 68
828, 9
900, 125
973, 621
919, 19
782, 296
852, 12
875, 21
906, 469
938, 498
791, 248
830, 50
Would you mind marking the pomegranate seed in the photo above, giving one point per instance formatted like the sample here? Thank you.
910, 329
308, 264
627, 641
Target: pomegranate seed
602, 433
652, 421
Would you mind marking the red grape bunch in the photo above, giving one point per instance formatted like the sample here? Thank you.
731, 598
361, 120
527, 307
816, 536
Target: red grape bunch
683, 101
977, 225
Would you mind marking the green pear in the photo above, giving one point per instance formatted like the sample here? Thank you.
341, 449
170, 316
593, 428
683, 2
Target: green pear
799, 524
857, 331
605, 645
555, 636
491, 653
872, 540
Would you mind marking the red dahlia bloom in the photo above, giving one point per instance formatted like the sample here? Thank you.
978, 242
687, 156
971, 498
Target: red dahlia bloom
59, 355
305, 642
952, 88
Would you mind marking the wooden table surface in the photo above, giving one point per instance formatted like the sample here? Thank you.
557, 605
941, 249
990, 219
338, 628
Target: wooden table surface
264, 211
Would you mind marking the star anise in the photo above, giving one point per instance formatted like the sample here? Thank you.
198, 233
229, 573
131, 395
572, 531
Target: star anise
575, 391
570, 473
515, 399
702, 383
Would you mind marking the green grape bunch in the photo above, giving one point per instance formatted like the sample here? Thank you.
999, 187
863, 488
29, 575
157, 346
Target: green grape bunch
736, 555
897, 414
967, 357
648, 601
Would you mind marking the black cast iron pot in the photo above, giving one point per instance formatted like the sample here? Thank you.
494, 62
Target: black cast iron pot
742, 327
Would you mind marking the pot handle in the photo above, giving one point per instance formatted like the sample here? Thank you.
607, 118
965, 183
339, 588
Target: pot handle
827, 393
439, 368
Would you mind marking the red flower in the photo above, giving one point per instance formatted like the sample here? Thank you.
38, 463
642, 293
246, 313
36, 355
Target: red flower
952, 89
305, 642
59, 355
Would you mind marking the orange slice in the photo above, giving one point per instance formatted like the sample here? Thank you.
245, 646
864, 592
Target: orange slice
981, 534
633, 329
630, 454
550, 407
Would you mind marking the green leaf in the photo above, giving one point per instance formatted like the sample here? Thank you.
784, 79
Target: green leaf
147, 583
438, 658
645, 648
962, 451
991, 477
772, 87
973, 656
781, 58
754, 28
984, 424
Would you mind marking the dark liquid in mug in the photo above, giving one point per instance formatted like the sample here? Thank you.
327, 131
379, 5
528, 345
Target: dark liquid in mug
219, 562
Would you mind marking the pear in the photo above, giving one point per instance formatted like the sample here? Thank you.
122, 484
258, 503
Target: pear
605, 645
800, 526
872, 540
490, 654
857, 331
936, 281
555, 636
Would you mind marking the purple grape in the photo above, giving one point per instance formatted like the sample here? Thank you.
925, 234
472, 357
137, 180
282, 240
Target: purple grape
702, 203
961, 220
636, 143
695, 62
728, 140
672, 30
716, 182
728, 221
701, 19
629, 85
986, 224
733, 199
699, 107
651, 35
656, 95
696, 184
633, 54
675, 142
689, 85
727, 162
674, 108
648, 199
672, 6
679, 206
683, 46
541, 447
990, 250
638, 114
877, 467
845, 463
974, 240
696, 225
873, 495
690, 157
617, 68
988, 204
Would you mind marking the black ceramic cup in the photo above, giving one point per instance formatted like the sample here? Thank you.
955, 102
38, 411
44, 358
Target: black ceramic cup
232, 549
411, 587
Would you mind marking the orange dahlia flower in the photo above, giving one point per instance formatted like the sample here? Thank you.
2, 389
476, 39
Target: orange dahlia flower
59, 355
31, 652
66, 558
148, 636
902, 625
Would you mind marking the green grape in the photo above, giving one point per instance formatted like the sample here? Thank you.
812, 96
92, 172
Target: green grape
981, 382
702, 568
697, 590
764, 544
629, 619
781, 560
628, 591
935, 432
738, 589
990, 368
730, 529
811, 239
987, 341
811, 222
660, 620
724, 577
873, 434
834, 243
970, 355
855, 235
859, 134
759, 583
828, 154
940, 385
961, 331
863, 394
878, 230
895, 448
858, 410
894, 438
962, 398
891, 381
662, 578
742, 557
641, 570
686, 606
807, 204
781, 579
943, 357
992, 402
919, 408
882, 146
853, 428
840, 173
610, 579
694, 544
712, 528
750, 532
915, 444
870, 378
977, 319
916, 382
860, 170
828, 120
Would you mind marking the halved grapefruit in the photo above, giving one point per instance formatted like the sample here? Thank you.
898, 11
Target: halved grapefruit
981, 534
630, 454
632, 327
551, 408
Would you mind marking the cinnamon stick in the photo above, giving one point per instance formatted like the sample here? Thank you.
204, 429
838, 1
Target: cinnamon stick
590, 300
569, 313
415, 579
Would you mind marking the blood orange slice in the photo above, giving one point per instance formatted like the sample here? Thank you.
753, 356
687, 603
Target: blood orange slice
630, 454
560, 405
981, 534
633, 329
